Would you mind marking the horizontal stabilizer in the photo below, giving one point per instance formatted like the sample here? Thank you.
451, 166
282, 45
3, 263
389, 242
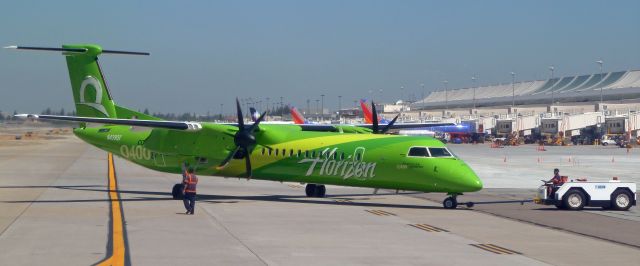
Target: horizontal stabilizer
72, 50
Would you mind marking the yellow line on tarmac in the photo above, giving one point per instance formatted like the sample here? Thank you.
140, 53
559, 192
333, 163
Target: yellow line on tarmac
117, 250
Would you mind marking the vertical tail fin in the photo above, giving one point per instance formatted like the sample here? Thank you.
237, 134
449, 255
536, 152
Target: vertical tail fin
90, 93
366, 112
297, 116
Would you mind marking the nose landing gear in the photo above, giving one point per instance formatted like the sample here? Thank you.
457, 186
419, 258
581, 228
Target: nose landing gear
451, 202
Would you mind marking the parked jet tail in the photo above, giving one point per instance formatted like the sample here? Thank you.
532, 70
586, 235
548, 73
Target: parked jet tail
254, 114
368, 115
298, 118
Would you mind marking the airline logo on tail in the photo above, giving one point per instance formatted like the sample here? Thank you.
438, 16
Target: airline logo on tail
368, 115
297, 117
254, 114
92, 83
366, 112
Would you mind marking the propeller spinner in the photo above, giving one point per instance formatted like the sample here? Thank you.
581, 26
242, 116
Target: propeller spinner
244, 140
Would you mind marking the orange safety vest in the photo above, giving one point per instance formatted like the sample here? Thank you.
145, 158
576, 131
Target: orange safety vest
190, 183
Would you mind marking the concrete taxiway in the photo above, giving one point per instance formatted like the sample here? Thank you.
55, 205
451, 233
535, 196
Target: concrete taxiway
55, 209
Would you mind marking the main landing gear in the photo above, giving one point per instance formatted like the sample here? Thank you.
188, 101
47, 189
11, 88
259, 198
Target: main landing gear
177, 191
451, 202
314, 190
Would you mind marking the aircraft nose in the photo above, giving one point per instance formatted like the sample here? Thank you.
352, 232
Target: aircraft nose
466, 180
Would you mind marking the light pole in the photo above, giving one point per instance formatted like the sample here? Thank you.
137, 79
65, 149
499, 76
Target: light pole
446, 96
221, 105
317, 106
422, 96
268, 105
281, 107
473, 80
513, 89
402, 94
308, 108
322, 107
339, 107
553, 97
600, 62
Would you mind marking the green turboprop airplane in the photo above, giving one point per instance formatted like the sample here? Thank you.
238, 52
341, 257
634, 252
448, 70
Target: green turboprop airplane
344, 155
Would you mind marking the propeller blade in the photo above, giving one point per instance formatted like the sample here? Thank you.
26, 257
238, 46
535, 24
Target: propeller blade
388, 126
247, 161
225, 162
240, 116
374, 118
255, 125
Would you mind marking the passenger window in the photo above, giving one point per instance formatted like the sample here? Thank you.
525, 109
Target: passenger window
342, 156
284, 152
306, 154
277, 152
262, 151
313, 154
299, 153
291, 153
418, 152
335, 155
439, 152
358, 156
269, 152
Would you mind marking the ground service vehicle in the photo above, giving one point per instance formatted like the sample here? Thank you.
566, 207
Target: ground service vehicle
572, 195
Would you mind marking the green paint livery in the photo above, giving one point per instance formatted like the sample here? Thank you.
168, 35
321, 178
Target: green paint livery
347, 156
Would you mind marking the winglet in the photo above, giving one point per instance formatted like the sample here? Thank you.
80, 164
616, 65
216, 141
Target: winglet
11, 47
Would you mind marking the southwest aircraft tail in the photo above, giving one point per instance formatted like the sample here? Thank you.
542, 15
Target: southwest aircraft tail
90, 92
368, 115
297, 117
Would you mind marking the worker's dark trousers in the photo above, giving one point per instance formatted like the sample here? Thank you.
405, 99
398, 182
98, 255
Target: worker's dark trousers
189, 201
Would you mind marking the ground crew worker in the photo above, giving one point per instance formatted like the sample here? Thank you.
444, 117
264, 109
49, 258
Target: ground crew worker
190, 181
556, 180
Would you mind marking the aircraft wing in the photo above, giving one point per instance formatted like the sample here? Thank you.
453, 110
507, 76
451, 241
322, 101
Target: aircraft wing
408, 125
177, 125
337, 127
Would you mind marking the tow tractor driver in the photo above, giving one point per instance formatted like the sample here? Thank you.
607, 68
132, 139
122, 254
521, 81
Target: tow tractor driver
556, 180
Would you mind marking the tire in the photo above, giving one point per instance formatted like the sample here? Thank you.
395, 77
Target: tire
574, 200
621, 200
450, 203
320, 191
310, 190
605, 144
176, 192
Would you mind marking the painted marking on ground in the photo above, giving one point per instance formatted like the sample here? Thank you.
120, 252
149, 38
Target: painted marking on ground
495, 249
295, 186
380, 212
117, 246
343, 200
428, 228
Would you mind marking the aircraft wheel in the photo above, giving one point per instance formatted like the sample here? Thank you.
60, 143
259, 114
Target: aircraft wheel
320, 191
450, 203
310, 190
176, 192
621, 200
469, 204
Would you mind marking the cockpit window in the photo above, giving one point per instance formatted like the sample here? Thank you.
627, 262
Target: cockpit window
418, 152
439, 152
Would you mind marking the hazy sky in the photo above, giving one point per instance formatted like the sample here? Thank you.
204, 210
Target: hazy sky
204, 53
